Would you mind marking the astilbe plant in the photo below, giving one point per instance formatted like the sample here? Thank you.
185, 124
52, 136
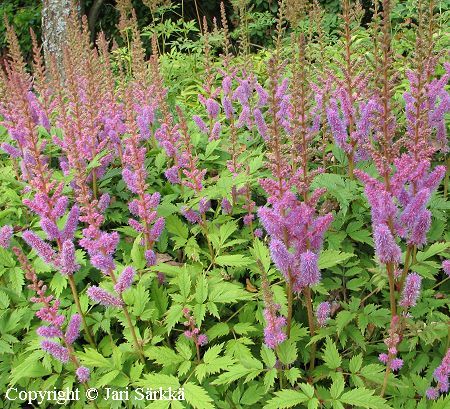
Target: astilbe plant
351, 108
26, 121
103, 149
49, 313
290, 218
399, 201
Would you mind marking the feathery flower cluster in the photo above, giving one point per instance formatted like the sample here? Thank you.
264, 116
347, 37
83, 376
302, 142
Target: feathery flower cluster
400, 210
390, 359
432, 98
49, 313
6, 233
294, 222
274, 333
193, 332
351, 139
134, 172
441, 376
101, 296
323, 313
446, 267
411, 290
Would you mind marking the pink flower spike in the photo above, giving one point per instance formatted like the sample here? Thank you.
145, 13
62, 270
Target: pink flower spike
101, 296
83, 374
73, 329
125, 280
56, 350
411, 290
6, 233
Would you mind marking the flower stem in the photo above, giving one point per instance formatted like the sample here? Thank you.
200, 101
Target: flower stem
446, 178
76, 298
137, 345
290, 299
312, 329
406, 266
390, 273
385, 381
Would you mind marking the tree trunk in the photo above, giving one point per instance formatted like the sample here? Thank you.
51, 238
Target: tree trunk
54, 29
93, 16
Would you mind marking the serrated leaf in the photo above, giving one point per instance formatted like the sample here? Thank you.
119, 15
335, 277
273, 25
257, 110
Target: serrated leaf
435, 248
197, 397
337, 387
287, 352
93, 358
158, 380
331, 355
164, 356
268, 356
342, 320
355, 363
330, 258
286, 398
233, 260
364, 398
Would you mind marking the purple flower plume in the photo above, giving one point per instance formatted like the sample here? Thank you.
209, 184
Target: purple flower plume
71, 223
56, 350
101, 296
411, 290
6, 233
441, 375
82, 374
273, 331
73, 329
43, 249
125, 280
283, 259
446, 267
323, 313
386, 248
309, 269
150, 257
67, 261
49, 332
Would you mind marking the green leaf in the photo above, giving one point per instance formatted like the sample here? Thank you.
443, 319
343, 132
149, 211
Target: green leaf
184, 282
330, 258
173, 316
244, 328
268, 356
93, 358
362, 236
338, 386
342, 320
261, 252
287, 352
30, 368
286, 398
218, 330
212, 353
233, 260
197, 397
363, 398
175, 226
355, 363
137, 253
164, 356
201, 289
331, 355
158, 380
236, 372
435, 248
